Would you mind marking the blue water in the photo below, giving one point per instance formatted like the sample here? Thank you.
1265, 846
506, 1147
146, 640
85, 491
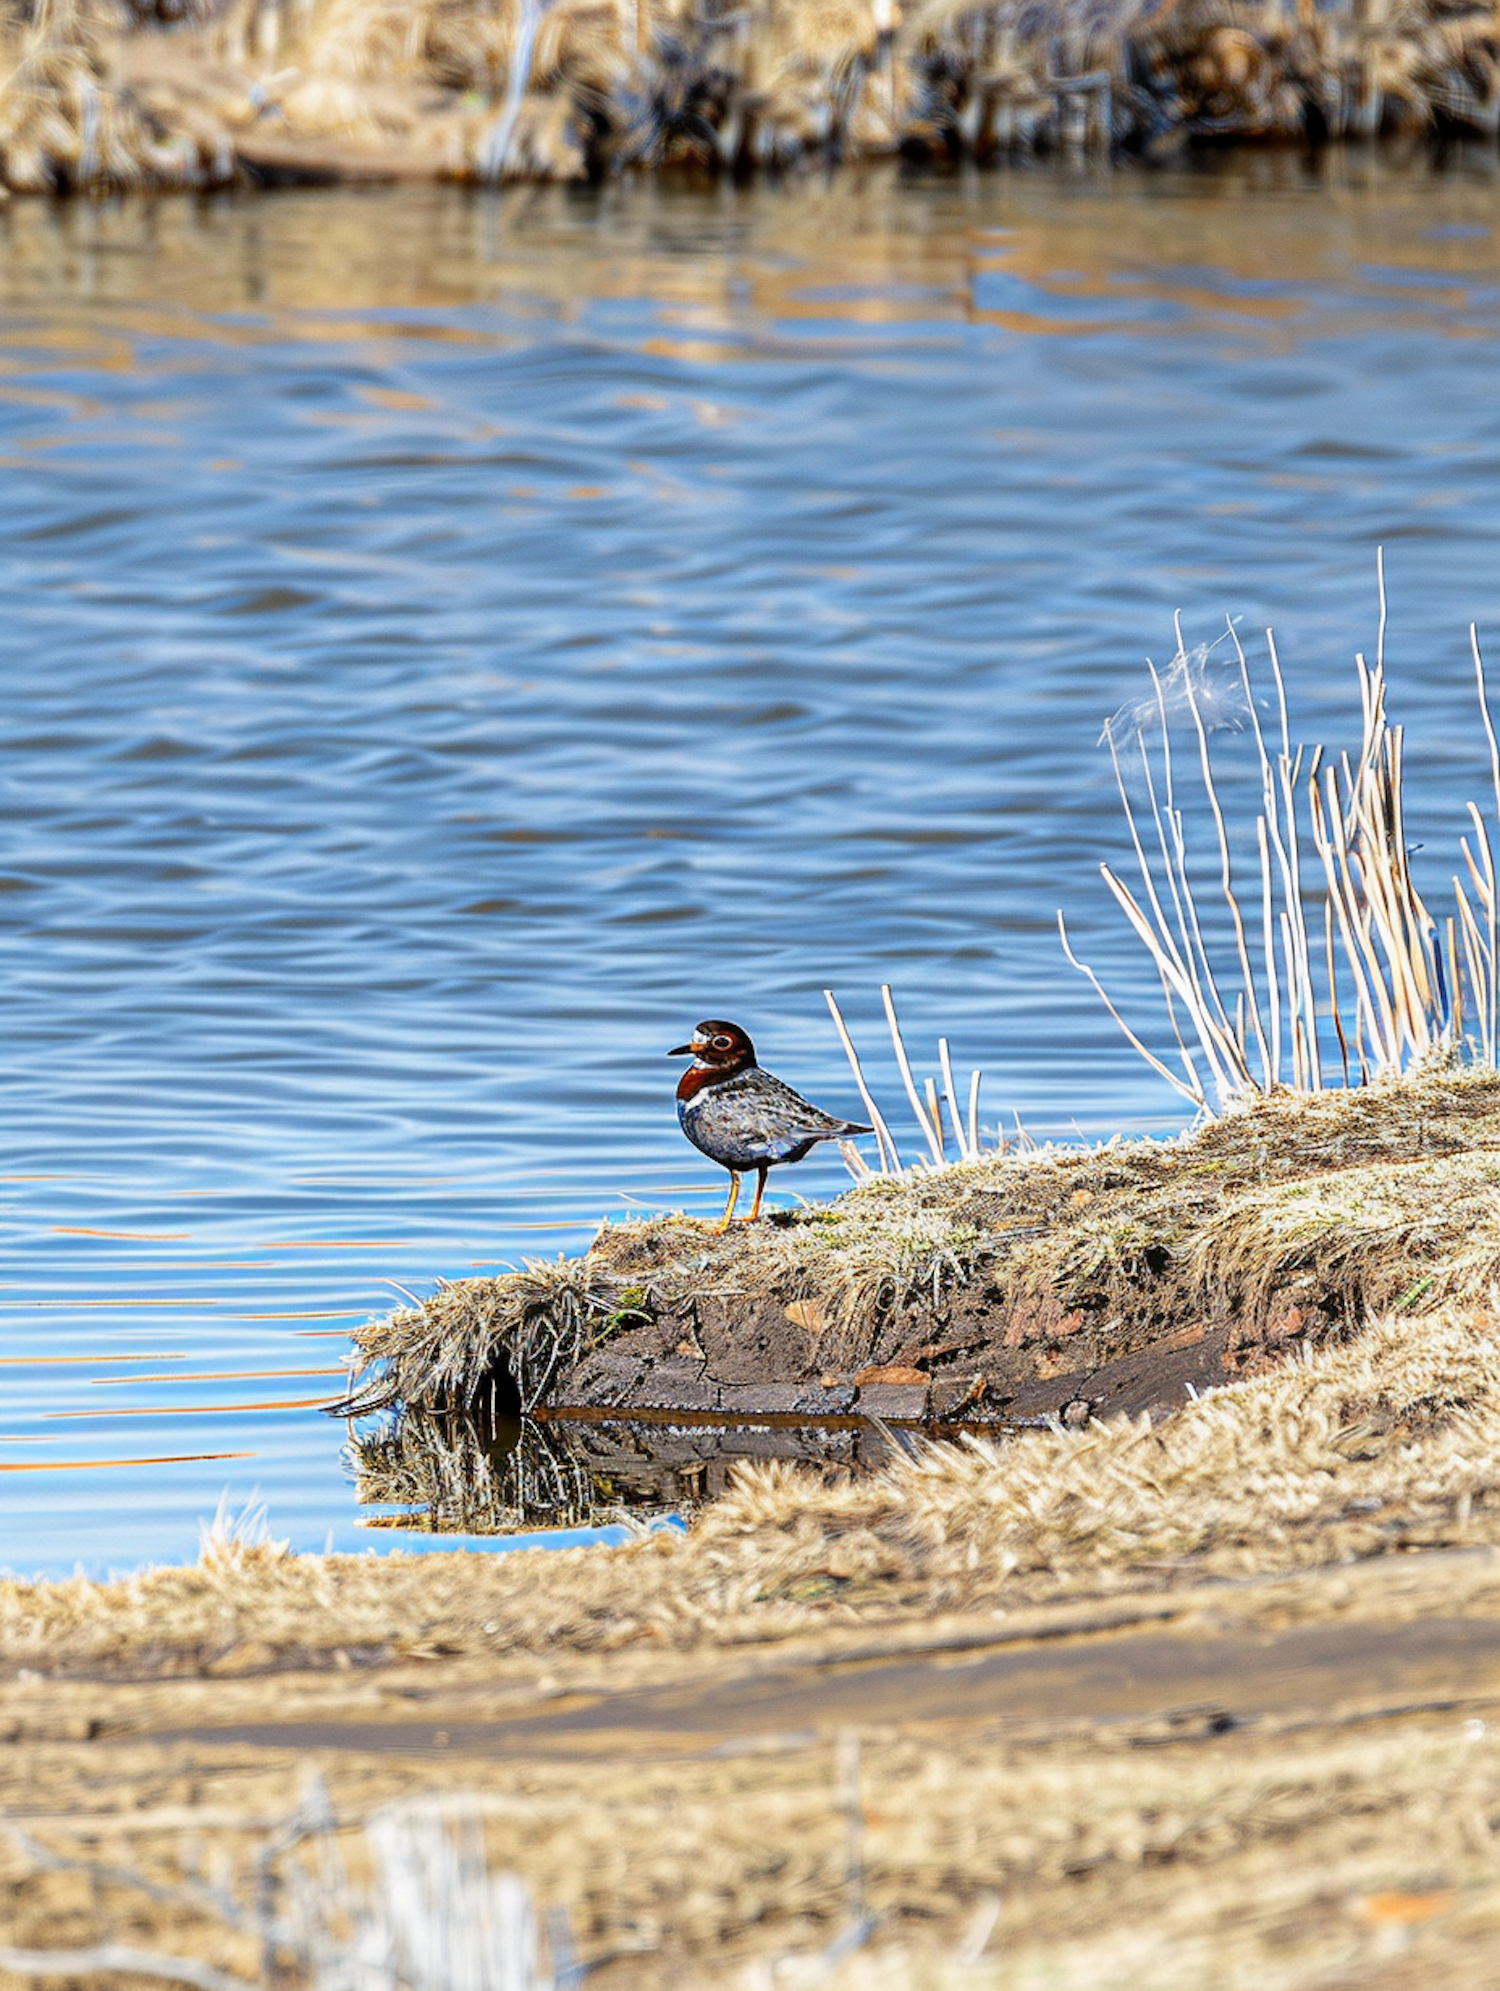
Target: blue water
453, 643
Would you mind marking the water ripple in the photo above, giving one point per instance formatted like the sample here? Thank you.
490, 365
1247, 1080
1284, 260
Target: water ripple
453, 644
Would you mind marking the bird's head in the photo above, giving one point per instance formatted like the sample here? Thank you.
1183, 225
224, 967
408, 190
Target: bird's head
722, 1047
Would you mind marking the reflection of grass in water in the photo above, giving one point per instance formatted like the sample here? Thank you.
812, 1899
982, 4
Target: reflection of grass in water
453, 1475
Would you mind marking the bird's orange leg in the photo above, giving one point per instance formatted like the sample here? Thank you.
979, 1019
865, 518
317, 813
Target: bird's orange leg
760, 1190
734, 1194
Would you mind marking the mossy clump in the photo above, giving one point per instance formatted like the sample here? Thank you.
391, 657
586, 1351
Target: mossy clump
1279, 1226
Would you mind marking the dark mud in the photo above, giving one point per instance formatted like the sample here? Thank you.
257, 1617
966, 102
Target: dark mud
981, 1359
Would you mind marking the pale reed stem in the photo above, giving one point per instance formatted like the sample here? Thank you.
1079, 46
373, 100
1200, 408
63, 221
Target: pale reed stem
1215, 1038
1492, 991
883, 1138
935, 1112
1248, 993
1267, 911
934, 1140
1486, 888
1474, 955
965, 1151
1193, 1092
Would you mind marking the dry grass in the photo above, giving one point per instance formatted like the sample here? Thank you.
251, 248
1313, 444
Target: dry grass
65, 124
1346, 1452
186, 91
1149, 1850
1114, 1855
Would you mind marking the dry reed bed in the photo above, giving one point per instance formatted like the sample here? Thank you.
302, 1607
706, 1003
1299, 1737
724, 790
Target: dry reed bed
112, 93
1351, 1451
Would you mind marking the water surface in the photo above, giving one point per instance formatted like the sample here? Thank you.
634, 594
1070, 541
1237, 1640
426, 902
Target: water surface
452, 643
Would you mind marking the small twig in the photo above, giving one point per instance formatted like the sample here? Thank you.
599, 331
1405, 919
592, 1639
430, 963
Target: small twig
123, 1958
405, 1292
205, 1900
857, 1930
883, 1138
971, 1949
933, 1139
567, 1971
966, 1152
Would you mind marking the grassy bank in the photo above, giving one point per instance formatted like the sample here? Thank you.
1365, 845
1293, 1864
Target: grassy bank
111, 93
1210, 1699
1072, 1283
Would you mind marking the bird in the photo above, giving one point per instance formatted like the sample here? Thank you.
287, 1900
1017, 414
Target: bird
743, 1117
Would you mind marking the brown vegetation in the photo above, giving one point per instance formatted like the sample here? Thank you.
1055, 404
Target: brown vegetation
110, 93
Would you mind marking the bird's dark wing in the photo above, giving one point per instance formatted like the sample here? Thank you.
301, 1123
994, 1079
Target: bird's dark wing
755, 1118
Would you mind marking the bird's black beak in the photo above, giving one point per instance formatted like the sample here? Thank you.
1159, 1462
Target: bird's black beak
683, 1051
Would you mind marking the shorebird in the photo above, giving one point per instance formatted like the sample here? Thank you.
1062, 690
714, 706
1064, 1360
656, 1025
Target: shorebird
743, 1117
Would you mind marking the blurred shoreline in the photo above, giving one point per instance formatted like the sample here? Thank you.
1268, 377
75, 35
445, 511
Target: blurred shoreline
157, 93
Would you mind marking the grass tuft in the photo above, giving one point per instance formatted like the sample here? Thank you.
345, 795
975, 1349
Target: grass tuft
1293, 1218
1304, 990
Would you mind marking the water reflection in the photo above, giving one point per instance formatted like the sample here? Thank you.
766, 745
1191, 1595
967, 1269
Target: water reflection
870, 248
453, 1475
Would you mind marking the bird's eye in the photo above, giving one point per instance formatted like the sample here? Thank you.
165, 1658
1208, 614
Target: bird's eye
723, 1043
